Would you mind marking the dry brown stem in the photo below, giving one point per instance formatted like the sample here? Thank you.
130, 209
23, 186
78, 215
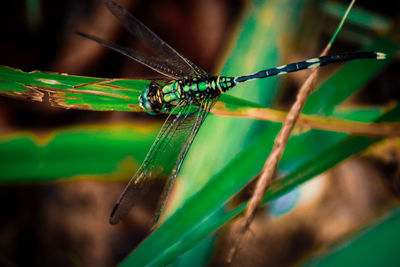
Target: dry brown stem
269, 168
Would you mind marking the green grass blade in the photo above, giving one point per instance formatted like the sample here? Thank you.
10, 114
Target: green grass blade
79, 92
358, 16
344, 17
69, 91
77, 152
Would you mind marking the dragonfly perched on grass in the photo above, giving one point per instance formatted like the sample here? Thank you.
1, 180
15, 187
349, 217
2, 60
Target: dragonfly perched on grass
186, 94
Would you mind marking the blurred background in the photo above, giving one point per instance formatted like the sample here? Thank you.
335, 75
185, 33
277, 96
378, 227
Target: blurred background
55, 205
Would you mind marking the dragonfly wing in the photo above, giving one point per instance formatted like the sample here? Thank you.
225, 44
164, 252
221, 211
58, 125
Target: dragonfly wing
164, 158
154, 43
154, 63
204, 109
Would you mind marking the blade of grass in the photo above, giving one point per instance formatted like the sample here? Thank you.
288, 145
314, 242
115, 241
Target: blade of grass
69, 91
94, 94
112, 151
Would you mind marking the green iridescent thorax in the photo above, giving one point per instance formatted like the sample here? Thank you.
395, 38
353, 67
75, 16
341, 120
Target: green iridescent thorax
171, 92
198, 88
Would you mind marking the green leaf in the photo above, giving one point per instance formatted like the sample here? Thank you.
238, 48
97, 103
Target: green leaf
69, 91
76, 152
88, 93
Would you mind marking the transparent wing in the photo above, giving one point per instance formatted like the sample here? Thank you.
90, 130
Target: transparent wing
156, 63
182, 66
164, 158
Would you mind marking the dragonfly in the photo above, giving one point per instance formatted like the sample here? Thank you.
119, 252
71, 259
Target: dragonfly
186, 95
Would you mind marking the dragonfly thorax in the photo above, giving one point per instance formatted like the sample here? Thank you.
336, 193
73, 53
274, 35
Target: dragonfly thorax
157, 98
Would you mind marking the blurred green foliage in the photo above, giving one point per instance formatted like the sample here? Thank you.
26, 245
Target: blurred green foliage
376, 245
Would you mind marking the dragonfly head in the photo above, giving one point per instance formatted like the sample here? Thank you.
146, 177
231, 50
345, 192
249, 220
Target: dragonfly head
146, 99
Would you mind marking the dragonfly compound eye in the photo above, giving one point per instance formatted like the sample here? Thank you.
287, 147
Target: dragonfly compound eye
145, 102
